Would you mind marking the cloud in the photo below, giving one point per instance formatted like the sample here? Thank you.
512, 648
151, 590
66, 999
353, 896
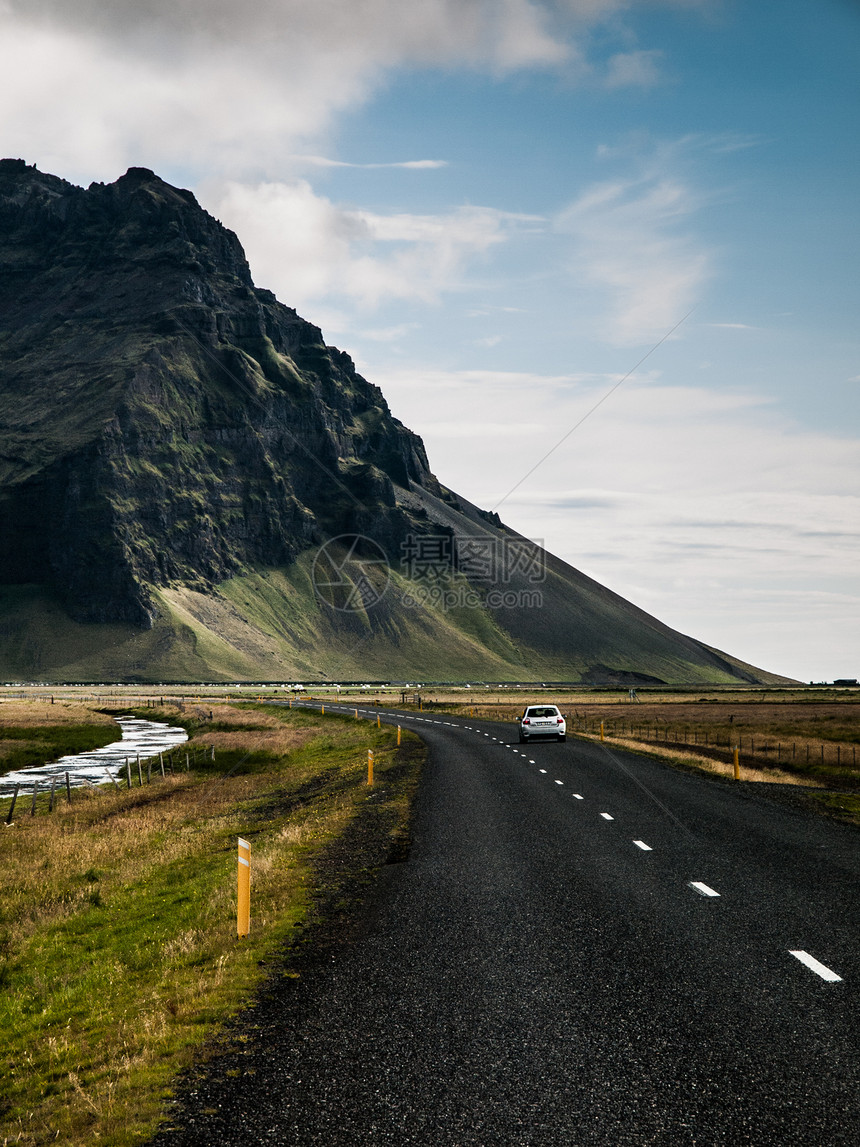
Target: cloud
632, 238
634, 69
306, 248
708, 508
239, 88
388, 334
228, 86
412, 164
509, 33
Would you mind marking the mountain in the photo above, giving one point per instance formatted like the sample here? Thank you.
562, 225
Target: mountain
194, 486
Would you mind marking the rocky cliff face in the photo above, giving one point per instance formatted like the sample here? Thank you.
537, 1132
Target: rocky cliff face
175, 445
162, 420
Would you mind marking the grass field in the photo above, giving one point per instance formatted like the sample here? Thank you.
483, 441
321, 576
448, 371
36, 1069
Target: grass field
118, 948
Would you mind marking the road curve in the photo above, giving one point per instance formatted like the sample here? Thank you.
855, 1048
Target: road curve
585, 947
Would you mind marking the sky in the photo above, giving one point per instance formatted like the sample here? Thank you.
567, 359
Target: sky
602, 255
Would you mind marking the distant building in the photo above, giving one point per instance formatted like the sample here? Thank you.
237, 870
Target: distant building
845, 681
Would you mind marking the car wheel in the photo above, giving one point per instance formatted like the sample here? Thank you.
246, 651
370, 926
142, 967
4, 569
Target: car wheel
562, 737
523, 739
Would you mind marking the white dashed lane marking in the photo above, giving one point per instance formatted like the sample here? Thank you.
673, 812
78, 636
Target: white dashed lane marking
699, 886
816, 966
702, 889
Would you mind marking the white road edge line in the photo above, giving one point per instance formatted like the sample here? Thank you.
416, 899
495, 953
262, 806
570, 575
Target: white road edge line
559, 782
703, 889
641, 844
577, 797
607, 816
815, 966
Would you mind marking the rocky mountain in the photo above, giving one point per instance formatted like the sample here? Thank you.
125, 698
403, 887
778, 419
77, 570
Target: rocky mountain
193, 485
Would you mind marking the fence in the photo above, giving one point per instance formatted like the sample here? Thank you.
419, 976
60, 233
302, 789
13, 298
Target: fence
762, 748
156, 767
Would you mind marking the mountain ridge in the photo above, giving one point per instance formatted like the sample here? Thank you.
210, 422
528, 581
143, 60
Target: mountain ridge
178, 449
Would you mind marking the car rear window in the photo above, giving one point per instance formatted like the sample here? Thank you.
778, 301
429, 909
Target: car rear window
542, 711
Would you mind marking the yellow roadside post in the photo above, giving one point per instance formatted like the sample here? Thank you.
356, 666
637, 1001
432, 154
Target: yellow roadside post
737, 764
356, 714
601, 730
398, 734
370, 766
243, 911
322, 709
377, 722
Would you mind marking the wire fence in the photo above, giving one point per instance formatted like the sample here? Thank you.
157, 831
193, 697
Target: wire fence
45, 795
763, 748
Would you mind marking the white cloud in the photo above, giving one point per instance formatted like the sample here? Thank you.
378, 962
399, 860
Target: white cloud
706, 507
388, 334
632, 238
306, 248
412, 164
639, 69
88, 88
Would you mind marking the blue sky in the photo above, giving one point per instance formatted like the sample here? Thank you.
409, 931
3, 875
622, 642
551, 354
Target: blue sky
499, 207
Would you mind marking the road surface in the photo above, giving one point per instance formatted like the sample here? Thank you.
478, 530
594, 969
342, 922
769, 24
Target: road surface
585, 947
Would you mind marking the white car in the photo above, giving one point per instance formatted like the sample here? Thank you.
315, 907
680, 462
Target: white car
542, 721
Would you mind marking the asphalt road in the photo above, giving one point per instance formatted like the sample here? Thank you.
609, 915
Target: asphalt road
585, 947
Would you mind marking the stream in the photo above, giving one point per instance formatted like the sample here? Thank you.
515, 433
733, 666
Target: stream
139, 738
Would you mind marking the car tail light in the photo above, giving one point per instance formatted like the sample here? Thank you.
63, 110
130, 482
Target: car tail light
559, 720
526, 721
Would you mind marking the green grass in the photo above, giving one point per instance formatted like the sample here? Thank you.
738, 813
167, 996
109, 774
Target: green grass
118, 953
844, 806
269, 625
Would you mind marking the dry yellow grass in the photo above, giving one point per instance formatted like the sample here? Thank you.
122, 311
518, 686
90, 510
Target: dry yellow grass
709, 765
36, 713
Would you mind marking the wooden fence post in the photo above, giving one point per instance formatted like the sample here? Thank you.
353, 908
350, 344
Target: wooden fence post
12, 805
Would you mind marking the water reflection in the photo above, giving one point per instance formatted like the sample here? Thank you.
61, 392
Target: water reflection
140, 738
